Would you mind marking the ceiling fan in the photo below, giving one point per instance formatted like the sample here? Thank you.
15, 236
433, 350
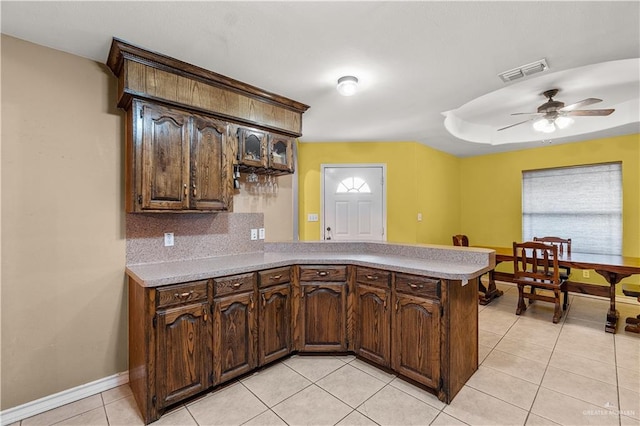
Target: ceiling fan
554, 114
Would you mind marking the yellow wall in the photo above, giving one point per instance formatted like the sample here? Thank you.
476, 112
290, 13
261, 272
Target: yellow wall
478, 196
492, 184
419, 179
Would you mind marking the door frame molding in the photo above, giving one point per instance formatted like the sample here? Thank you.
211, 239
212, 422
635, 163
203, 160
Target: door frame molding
324, 166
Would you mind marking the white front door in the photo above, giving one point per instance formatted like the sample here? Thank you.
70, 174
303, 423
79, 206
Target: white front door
354, 203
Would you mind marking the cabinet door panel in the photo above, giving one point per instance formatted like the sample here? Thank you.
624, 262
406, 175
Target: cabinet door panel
252, 148
281, 153
165, 158
324, 317
275, 323
184, 353
373, 324
235, 335
416, 339
208, 164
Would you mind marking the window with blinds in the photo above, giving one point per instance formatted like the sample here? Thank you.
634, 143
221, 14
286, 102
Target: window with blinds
583, 203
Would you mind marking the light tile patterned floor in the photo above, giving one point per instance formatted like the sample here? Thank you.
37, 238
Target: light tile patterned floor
532, 372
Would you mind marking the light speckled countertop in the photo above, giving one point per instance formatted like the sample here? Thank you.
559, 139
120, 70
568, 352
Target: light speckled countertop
455, 263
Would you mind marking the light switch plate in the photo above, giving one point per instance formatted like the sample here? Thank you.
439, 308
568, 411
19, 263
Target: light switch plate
168, 239
261, 233
312, 217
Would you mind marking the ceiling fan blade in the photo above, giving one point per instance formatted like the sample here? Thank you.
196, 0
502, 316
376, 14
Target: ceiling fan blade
589, 112
582, 103
517, 124
528, 113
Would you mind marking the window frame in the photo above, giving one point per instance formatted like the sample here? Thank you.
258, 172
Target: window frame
575, 210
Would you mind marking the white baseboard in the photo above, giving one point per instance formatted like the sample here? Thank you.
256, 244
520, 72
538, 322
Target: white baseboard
59, 399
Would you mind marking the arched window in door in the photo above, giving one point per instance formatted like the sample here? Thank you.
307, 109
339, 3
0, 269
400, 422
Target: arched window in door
353, 184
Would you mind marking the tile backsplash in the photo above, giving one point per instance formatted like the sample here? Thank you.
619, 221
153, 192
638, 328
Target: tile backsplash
195, 235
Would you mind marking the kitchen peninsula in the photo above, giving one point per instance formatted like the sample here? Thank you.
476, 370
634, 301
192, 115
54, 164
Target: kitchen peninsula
197, 323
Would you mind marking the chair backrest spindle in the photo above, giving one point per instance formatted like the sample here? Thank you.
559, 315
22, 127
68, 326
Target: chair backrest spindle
563, 244
535, 261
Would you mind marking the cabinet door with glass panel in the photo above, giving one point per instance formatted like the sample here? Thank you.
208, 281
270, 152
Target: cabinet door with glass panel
252, 148
280, 153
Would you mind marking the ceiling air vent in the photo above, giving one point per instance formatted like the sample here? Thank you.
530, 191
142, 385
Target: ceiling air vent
524, 70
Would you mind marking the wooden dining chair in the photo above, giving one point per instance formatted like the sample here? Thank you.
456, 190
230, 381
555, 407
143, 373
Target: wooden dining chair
535, 265
564, 246
460, 240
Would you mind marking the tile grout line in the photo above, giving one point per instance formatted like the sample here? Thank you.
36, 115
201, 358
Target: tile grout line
615, 360
546, 368
529, 411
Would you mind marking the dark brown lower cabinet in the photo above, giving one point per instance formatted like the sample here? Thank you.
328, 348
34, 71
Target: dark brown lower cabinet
322, 325
274, 323
186, 338
184, 353
373, 324
235, 336
324, 317
416, 339
170, 344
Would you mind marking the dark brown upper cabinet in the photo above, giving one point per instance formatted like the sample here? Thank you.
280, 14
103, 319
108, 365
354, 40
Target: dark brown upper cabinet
252, 148
264, 152
180, 152
178, 161
281, 153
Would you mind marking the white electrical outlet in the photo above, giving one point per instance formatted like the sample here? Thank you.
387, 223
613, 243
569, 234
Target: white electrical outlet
254, 234
261, 233
312, 217
168, 239
419, 217
585, 274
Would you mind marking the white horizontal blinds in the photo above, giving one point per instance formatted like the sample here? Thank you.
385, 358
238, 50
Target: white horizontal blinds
583, 203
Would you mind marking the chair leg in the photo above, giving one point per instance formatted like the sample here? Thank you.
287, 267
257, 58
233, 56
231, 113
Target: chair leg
521, 305
565, 303
557, 313
633, 325
533, 291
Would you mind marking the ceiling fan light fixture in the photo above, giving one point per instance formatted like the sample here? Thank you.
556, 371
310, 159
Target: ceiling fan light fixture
544, 125
347, 85
563, 122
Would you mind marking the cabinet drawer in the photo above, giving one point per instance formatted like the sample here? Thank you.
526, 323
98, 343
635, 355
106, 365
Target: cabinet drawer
323, 273
374, 277
234, 284
274, 276
420, 286
182, 293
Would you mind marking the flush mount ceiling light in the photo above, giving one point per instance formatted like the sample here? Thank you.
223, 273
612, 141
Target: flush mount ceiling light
347, 85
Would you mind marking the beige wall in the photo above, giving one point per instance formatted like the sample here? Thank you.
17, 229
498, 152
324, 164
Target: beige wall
64, 308
63, 246
277, 209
